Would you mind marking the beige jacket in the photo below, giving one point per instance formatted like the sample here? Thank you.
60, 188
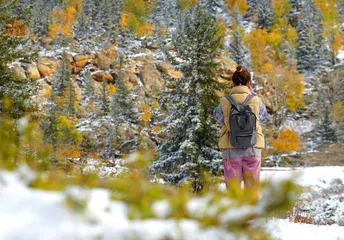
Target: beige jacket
239, 94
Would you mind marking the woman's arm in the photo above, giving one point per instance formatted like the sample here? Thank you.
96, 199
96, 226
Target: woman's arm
218, 114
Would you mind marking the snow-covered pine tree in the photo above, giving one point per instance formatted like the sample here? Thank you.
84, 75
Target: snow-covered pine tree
89, 86
103, 98
50, 123
324, 130
62, 76
237, 51
70, 105
341, 13
109, 151
82, 30
311, 53
214, 6
121, 105
190, 146
41, 14
165, 12
265, 13
252, 8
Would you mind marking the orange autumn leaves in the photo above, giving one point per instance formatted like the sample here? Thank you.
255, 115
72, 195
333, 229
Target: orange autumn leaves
17, 28
287, 140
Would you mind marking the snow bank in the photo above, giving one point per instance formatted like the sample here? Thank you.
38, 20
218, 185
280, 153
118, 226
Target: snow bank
285, 230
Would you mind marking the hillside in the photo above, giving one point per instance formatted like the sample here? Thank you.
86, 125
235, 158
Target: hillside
103, 94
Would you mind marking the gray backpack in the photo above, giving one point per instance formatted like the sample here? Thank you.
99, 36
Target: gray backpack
242, 122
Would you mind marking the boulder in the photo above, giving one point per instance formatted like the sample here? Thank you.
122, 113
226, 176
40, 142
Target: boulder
107, 57
81, 61
44, 92
151, 78
19, 71
46, 42
152, 45
129, 79
100, 76
47, 66
32, 71
168, 70
226, 67
144, 59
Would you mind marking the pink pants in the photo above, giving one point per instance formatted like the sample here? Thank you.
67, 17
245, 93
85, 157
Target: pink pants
242, 168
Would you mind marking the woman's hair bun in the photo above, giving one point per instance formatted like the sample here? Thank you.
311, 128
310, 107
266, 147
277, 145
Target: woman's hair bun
238, 68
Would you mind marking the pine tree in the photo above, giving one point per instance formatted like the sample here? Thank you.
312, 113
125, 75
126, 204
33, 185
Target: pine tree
324, 130
62, 76
19, 91
110, 150
265, 13
103, 98
190, 146
311, 52
89, 86
121, 106
237, 51
41, 15
70, 105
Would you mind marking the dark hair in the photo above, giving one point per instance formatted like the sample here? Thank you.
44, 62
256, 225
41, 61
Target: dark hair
241, 76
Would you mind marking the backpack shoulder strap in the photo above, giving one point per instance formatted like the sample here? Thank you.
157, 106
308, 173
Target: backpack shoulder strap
232, 101
248, 99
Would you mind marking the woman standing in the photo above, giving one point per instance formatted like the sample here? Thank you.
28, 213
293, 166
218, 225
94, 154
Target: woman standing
241, 163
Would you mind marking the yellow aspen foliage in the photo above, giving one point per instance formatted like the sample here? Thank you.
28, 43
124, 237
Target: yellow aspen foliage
63, 152
111, 89
185, 4
222, 29
47, 92
17, 28
336, 44
91, 105
76, 4
241, 4
290, 85
268, 68
144, 107
62, 22
281, 9
156, 128
287, 140
66, 124
331, 23
146, 116
134, 14
155, 104
163, 31
257, 42
61, 101
338, 112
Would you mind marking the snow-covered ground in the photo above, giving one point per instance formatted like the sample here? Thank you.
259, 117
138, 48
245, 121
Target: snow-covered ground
323, 202
27, 213
286, 230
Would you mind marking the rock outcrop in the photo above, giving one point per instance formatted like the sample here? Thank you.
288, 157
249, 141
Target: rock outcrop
47, 66
169, 71
151, 78
32, 71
